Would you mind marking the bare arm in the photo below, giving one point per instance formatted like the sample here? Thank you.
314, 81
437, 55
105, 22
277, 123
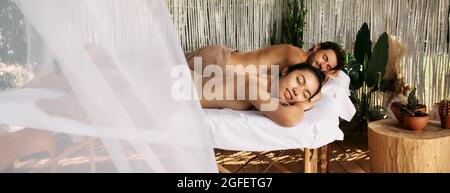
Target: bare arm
283, 115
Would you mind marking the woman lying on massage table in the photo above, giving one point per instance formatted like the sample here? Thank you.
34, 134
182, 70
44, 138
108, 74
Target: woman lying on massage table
326, 57
285, 106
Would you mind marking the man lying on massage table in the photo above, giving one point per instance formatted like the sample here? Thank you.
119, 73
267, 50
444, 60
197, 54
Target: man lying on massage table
326, 56
299, 87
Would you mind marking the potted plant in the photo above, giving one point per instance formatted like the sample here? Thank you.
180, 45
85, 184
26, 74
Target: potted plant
414, 114
444, 113
412, 104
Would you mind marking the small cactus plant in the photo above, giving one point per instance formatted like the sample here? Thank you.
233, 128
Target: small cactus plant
444, 107
444, 111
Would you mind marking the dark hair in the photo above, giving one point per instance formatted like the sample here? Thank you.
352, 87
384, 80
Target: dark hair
337, 50
307, 66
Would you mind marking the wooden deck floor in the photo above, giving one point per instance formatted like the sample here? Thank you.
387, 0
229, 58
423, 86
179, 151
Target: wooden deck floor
348, 156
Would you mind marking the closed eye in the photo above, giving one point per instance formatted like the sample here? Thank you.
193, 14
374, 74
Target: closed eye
302, 81
325, 57
307, 94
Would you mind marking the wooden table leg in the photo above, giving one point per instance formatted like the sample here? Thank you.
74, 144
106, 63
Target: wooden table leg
306, 160
324, 166
310, 160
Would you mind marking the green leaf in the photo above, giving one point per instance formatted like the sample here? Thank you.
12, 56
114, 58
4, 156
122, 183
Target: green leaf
377, 64
412, 100
412, 94
363, 45
355, 74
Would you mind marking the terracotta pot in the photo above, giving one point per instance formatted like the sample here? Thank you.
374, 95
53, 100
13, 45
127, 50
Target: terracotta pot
445, 121
417, 123
397, 113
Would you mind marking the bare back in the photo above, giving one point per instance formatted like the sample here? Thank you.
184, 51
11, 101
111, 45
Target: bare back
229, 96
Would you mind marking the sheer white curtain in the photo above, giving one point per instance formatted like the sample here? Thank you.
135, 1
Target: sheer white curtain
104, 91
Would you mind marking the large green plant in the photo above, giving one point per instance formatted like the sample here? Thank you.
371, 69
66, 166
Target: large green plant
293, 24
366, 70
368, 66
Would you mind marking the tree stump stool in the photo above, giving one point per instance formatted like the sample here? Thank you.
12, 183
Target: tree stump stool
393, 148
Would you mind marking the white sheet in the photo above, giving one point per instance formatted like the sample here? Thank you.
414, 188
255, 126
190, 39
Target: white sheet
251, 131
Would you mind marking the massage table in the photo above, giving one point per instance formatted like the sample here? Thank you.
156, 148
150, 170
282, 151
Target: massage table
251, 131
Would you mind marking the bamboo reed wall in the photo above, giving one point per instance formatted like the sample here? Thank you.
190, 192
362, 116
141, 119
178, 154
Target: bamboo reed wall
423, 26
240, 24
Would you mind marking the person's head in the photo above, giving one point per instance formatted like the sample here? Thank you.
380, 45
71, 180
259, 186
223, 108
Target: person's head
327, 56
300, 83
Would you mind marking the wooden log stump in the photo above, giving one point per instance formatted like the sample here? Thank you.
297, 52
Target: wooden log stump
393, 148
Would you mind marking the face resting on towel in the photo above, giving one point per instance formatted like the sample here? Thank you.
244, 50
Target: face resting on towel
300, 83
297, 86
